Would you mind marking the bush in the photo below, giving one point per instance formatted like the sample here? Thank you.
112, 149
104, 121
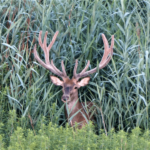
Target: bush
59, 138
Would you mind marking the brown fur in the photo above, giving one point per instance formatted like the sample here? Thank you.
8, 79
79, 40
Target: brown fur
74, 110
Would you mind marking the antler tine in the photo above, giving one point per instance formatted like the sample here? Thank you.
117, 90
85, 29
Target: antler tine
55, 68
108, 52
47, 66
75, 75
38, 58
40, 40
86, 67
45, 41
63, 68
107, 55
53, 40
75, 69
44, 46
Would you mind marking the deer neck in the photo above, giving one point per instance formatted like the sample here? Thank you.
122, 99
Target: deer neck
74, 104
75, 108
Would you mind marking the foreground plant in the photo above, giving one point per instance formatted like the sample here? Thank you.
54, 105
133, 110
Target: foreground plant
52, 137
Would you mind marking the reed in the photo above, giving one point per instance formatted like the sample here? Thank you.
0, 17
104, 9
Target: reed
120, 91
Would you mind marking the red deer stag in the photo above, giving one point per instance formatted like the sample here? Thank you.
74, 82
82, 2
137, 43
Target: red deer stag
77, 112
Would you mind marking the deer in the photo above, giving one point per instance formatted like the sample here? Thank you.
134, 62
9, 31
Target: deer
75, 111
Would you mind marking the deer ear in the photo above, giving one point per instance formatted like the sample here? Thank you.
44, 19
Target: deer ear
83, 82
56, 81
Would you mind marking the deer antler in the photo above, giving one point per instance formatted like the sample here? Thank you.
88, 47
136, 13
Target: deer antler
48, 65
108, 52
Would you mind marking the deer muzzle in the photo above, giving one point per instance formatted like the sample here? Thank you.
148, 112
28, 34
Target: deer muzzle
65, 98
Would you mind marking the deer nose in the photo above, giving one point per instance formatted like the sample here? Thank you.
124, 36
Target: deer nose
65, 98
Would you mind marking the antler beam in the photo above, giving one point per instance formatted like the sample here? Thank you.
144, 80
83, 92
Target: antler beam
108, 52
47, 64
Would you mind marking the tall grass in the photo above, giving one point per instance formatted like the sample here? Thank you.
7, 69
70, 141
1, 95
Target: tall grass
120, 91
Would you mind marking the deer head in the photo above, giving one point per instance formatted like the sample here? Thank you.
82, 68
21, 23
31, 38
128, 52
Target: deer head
70, 86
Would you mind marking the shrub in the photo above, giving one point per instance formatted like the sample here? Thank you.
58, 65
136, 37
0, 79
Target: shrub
59, 138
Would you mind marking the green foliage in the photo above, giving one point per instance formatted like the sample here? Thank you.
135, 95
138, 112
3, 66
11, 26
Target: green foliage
58, 138
120, 91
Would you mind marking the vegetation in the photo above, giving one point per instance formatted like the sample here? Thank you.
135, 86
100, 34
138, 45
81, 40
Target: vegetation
52, 137
120, 91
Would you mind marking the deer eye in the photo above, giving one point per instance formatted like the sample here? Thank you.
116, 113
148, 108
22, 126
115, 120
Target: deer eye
75, 87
